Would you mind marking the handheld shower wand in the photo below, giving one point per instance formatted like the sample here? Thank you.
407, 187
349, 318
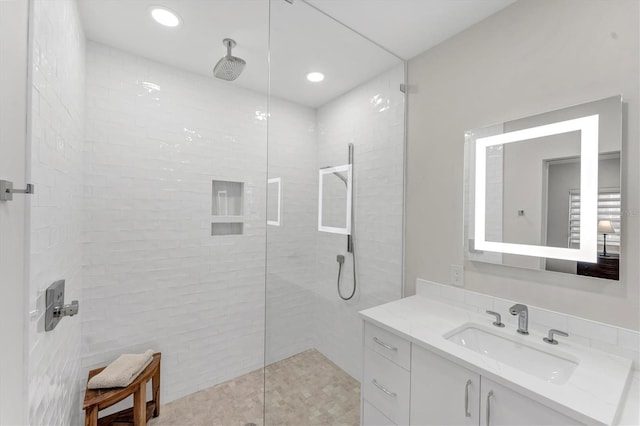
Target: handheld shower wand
350, 244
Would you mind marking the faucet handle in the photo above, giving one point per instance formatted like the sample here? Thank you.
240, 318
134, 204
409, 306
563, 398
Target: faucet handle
550, 338
498, 321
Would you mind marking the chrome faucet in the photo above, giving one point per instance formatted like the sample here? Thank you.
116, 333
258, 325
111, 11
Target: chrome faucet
550, 340
523, 317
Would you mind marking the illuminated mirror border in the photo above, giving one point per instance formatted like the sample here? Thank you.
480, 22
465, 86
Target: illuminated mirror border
588, 127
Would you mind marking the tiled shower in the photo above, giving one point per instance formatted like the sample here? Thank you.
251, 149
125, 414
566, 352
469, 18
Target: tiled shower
124, 153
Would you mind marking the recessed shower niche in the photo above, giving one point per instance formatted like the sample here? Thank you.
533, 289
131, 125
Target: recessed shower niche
227, 207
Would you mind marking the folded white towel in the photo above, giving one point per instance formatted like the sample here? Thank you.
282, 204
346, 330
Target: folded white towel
122, 371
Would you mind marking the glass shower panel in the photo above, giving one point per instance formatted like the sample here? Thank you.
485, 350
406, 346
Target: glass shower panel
313, 335
151, 173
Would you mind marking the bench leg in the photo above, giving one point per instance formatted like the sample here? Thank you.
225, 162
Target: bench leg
155, 385
91, 416
140, 405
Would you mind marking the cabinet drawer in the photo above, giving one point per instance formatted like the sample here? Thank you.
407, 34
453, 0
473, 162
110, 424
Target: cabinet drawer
388, 345
372, 417
386, 387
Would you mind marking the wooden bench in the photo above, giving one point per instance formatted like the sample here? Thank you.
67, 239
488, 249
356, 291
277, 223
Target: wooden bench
96, 400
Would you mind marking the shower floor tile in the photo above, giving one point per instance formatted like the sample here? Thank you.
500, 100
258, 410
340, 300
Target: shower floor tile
305, 389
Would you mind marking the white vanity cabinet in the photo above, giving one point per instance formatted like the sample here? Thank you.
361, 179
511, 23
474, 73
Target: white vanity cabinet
508, 408
404, 384
445, 393
442, 392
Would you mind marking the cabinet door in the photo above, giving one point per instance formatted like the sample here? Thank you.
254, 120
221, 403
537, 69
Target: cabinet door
502, 406
442, 392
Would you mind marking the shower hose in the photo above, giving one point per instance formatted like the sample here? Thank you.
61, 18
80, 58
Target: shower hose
340, 262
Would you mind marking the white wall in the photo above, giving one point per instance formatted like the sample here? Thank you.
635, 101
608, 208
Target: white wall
371, 116
155, 277
14, 19
56, 167
532, 57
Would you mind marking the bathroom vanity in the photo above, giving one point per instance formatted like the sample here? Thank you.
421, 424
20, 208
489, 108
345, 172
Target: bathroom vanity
432, 363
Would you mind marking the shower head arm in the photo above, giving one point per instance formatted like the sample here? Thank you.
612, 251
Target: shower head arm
230, 45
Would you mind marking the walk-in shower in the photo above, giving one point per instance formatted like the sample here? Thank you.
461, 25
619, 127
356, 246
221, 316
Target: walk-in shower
153, 192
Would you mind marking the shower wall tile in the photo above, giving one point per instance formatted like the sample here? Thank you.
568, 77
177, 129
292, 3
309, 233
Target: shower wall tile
57, 124
371, 117
155, 277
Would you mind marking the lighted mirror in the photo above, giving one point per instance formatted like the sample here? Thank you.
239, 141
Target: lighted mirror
543, 192
274, 197
334, 199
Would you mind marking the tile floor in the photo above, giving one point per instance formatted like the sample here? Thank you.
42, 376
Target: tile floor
303, 390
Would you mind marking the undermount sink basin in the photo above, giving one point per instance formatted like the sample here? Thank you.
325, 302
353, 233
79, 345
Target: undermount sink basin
554, 368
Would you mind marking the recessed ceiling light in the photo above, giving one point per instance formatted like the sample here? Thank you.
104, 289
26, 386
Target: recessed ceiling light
315, 77
165, 17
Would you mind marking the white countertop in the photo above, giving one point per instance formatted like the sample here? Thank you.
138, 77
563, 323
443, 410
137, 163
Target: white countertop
593, 393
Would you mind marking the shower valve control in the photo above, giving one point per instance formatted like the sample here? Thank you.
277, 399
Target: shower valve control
55, 306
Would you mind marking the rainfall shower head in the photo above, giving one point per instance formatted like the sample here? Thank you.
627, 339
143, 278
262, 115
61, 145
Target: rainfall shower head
229, 67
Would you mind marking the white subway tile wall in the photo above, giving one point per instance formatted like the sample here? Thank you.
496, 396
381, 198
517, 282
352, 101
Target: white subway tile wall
155, 277
605, 337
371, 117
57, 125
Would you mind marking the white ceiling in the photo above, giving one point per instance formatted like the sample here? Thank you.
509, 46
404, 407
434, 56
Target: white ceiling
409, 27
302, 39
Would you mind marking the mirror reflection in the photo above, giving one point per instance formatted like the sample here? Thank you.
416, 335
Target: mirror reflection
334, 200
274, 198
543, 192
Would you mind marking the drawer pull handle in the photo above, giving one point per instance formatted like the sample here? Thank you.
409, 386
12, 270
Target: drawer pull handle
466, 399
383, 389
385, 345
489, 395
